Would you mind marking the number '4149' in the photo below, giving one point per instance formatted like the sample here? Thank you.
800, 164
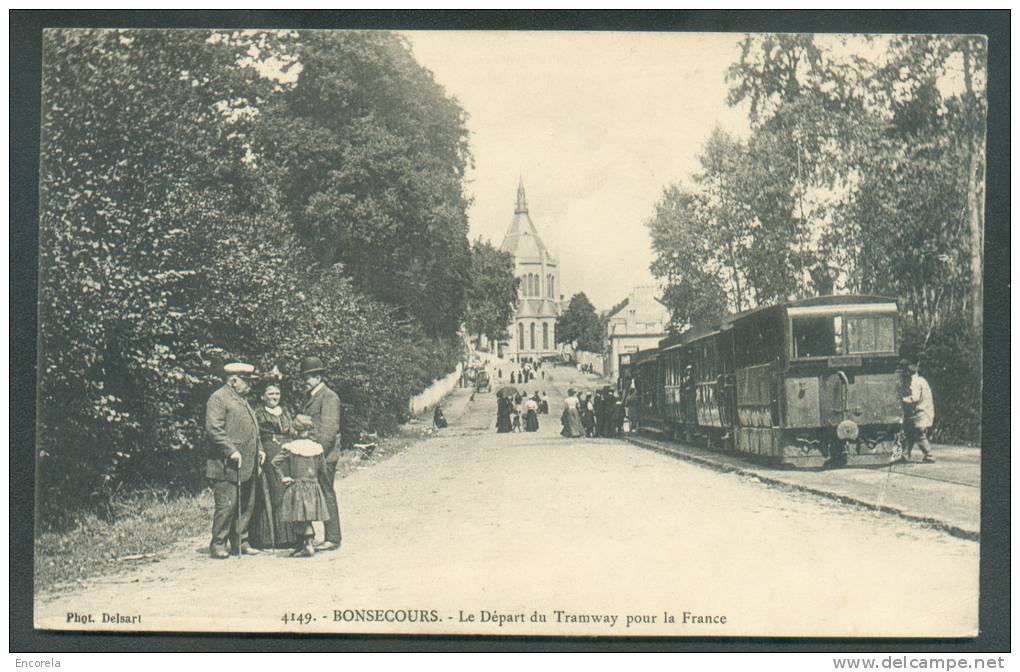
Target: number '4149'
303, 619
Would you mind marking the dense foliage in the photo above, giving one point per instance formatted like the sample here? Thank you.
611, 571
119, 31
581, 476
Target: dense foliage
860, 175
580, 326
199, 204
492, 294
372, 154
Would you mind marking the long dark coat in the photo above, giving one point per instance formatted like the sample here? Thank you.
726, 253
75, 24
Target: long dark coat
503, 406
324, 408
230, 425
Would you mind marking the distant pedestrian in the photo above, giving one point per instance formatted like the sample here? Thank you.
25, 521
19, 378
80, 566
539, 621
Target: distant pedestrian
618, 415
543, 404
235, 454
571, 417
599, 404
531, 415
588, 416
516, 414
918, 410
300, 466
513, 378
503, 412
438, 419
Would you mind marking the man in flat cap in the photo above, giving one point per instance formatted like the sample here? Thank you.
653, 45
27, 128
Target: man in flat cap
234, 447
323, 405
918, 410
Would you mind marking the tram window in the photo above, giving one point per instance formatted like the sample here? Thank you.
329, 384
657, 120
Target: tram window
869, 334
818, 336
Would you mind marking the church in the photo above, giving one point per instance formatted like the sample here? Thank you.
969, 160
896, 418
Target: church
533, 332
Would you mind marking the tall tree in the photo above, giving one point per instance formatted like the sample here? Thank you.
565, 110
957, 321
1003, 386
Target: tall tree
143, 188
933, 89
683, 240
372, 154
492, 294
580, 325
807, 109
166, 246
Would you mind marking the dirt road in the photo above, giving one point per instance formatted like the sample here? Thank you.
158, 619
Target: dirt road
514, 534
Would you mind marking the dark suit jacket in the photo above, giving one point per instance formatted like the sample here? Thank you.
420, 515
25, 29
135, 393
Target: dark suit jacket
324, 408
230, 425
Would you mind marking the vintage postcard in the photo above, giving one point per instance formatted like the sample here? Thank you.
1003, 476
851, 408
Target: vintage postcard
595, 334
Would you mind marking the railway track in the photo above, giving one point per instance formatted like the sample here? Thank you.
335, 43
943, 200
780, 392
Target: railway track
667, 447
846, 490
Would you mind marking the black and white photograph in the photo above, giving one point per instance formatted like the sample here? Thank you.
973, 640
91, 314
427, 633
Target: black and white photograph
599, 334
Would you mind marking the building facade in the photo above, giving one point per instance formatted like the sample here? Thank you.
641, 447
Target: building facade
638, 325
533, 332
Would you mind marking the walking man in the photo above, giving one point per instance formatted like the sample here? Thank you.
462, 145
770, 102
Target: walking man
234, 447
918, 410
323, 406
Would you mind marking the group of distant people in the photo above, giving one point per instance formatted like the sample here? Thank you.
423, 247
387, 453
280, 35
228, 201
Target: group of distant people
516, 412
601, 414
586, 368
525, 375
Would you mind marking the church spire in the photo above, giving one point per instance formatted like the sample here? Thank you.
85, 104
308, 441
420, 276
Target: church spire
522, 202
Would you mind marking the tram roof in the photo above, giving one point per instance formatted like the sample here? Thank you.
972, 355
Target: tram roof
833, 300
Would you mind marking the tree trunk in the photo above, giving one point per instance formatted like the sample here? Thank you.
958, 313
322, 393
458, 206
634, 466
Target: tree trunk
975, 205
736, 276
976, 240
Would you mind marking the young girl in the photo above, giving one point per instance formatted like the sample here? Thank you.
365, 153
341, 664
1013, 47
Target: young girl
517, 413
299, 465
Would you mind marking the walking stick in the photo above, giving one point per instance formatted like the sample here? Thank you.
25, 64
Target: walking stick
237, 525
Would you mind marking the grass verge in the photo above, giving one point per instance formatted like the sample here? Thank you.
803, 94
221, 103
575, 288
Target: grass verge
146, 524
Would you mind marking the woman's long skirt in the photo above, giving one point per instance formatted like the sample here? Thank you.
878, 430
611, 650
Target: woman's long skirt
267, 528
571, 420
531, 421
503, 420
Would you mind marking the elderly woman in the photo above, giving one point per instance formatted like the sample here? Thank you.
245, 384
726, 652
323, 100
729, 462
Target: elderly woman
276, 427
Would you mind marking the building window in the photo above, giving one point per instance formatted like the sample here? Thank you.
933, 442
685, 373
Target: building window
534, 284
552, 286
520, 335
545, 335
532, 335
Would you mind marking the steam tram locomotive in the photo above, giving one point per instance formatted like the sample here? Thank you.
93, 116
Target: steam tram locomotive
796, 384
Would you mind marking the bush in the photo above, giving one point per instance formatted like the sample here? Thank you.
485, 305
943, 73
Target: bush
166, 248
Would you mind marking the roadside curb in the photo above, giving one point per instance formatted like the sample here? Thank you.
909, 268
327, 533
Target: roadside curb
723, 467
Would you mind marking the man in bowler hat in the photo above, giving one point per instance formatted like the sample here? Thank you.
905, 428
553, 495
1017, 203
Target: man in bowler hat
323, 405
234, 446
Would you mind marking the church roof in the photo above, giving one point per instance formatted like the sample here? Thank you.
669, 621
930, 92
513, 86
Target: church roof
522, 239
537, 308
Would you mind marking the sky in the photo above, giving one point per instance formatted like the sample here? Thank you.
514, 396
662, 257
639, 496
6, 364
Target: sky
596, 124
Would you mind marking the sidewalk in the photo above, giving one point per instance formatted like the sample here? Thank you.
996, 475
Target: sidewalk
946, 494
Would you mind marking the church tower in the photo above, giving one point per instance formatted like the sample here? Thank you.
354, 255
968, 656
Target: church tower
533, 332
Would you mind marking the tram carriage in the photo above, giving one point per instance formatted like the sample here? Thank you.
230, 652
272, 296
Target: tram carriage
797, 384
646, 407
